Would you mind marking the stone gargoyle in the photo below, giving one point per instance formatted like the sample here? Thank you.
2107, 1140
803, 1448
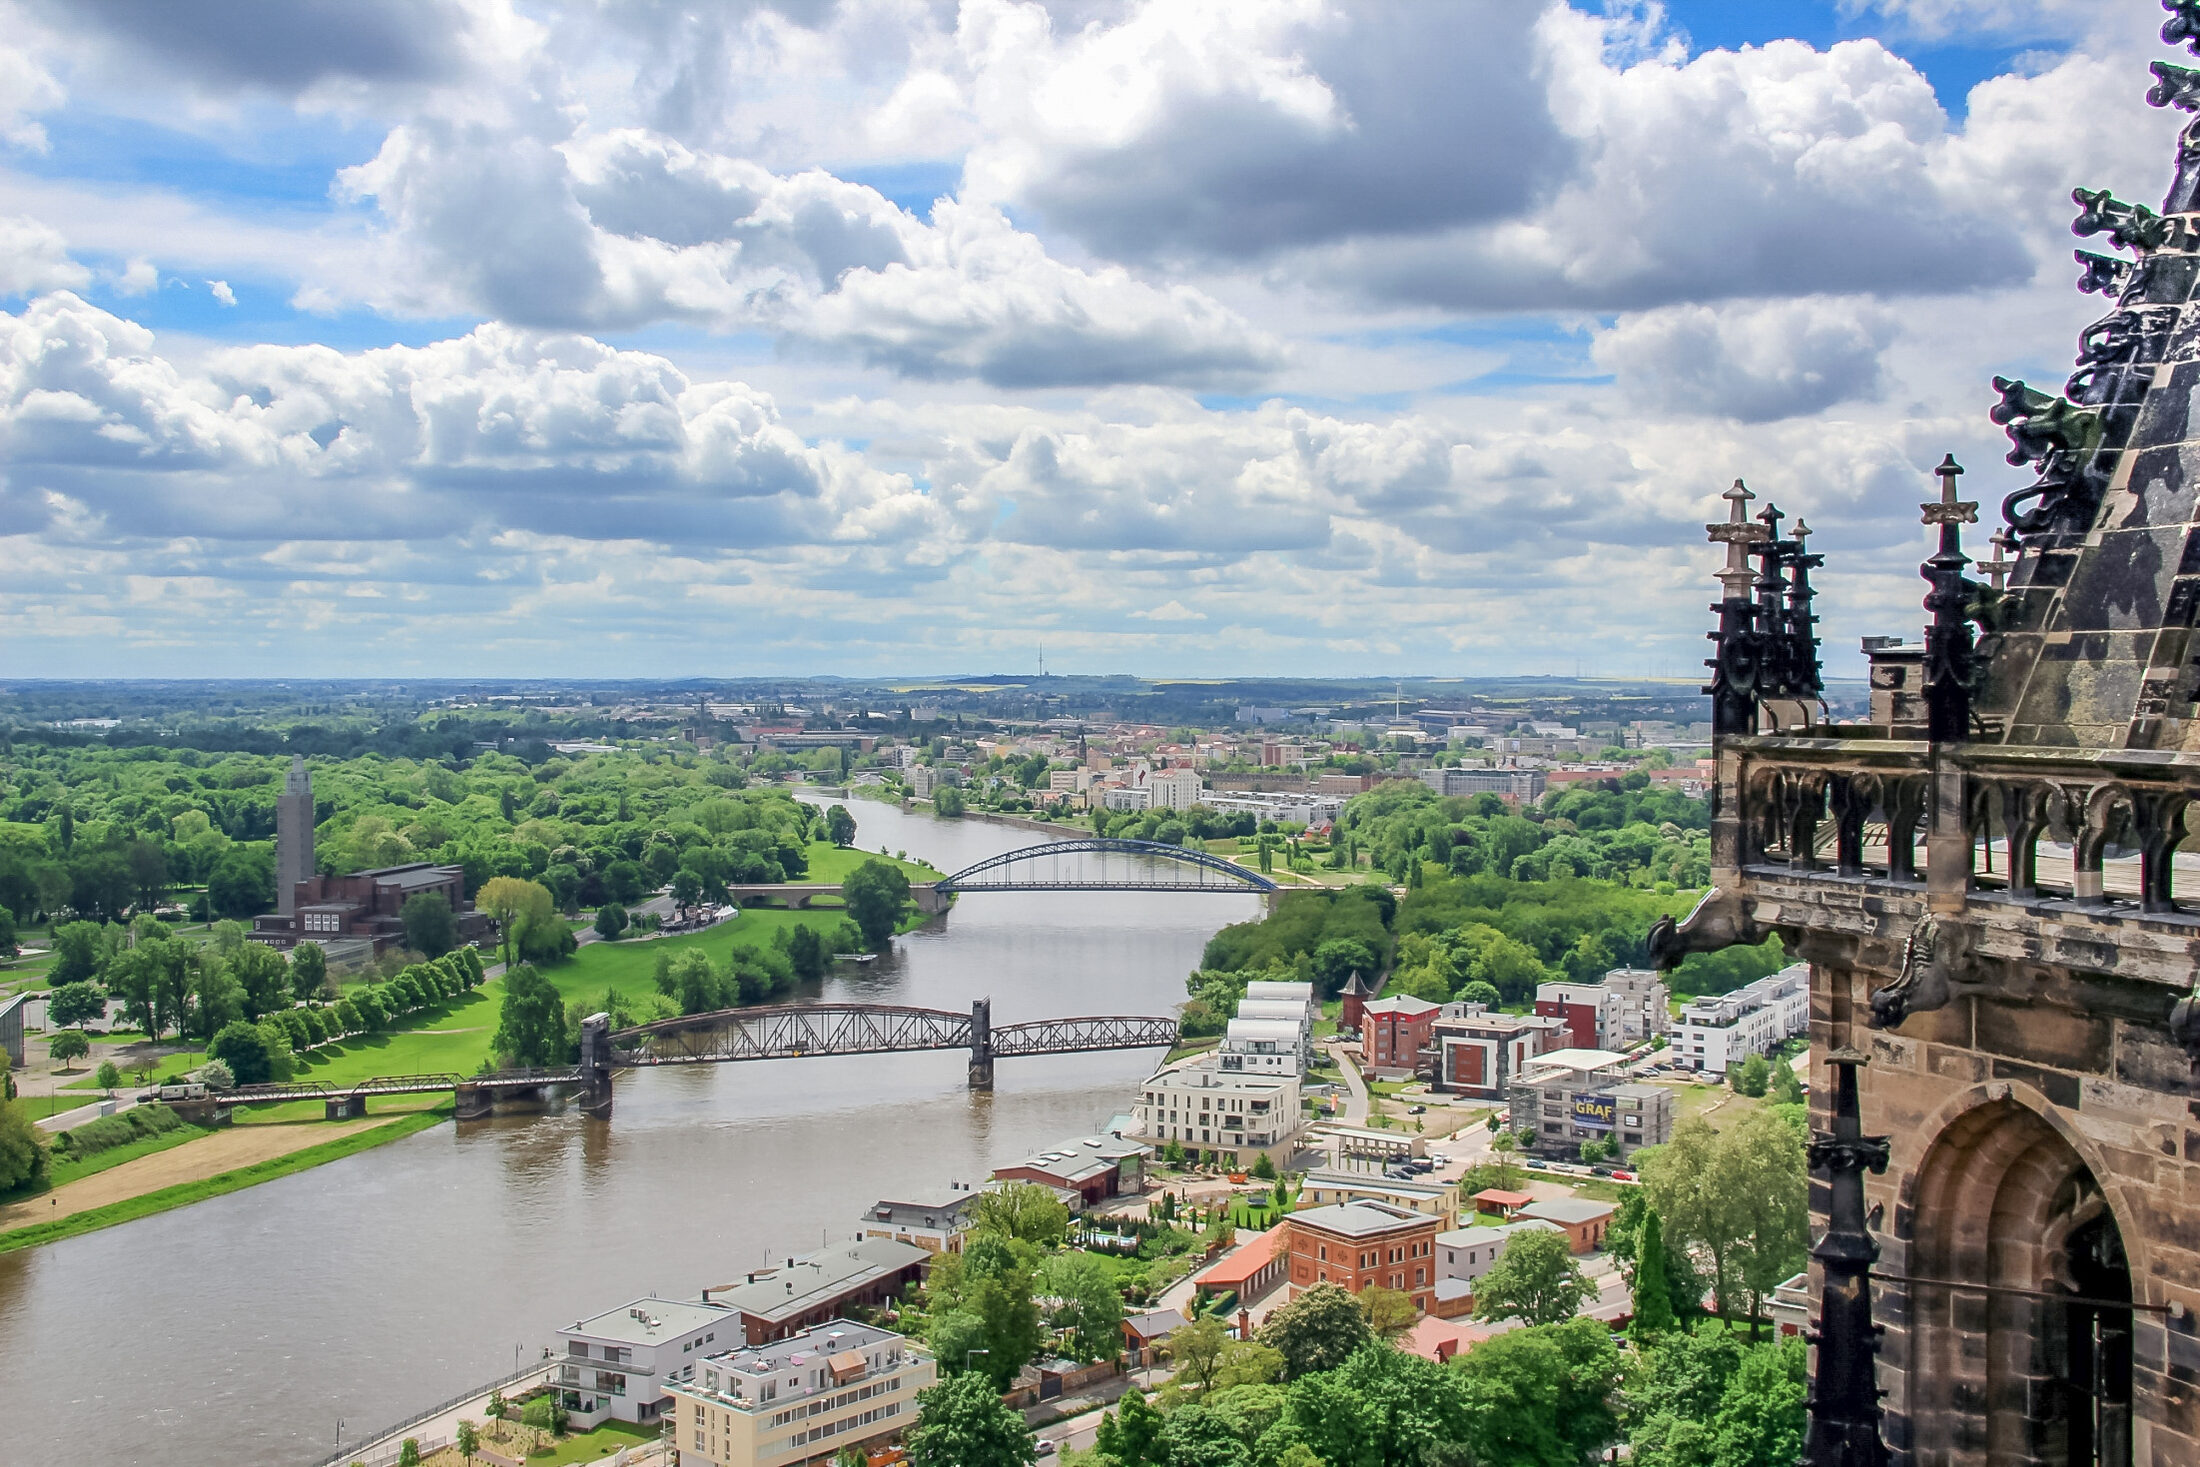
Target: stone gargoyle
1935, 965
1721, 919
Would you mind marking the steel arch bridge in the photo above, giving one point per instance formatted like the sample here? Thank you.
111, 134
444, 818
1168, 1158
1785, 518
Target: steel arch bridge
1062, 865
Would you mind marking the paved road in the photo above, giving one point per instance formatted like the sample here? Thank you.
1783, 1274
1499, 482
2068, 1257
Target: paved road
1355, 1100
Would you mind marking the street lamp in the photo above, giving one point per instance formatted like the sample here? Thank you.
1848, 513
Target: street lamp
968, 1353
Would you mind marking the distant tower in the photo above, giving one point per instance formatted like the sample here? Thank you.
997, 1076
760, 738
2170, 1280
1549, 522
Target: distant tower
293, 836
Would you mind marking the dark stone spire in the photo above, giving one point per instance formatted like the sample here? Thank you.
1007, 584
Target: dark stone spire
1948, 647
1844, 1391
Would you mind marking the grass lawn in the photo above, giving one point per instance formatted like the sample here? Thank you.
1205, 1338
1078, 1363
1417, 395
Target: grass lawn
589, 1446
38, 1107
62, 1171
830, 864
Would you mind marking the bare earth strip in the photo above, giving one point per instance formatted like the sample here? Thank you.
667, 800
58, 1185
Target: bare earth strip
223, 1151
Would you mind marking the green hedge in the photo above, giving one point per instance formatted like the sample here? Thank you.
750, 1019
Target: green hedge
120, 1129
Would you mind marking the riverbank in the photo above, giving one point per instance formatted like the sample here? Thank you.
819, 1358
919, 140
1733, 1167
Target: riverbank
225, 1161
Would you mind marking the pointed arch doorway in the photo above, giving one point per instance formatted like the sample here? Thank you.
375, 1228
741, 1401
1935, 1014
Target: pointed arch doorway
2020, 1302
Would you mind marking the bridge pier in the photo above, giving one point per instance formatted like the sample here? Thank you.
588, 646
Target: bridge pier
981, 1044
929, 898
595, 1096
473, 1101
344, 1107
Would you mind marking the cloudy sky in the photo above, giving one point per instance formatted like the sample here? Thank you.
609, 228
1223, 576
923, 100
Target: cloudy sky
467, 337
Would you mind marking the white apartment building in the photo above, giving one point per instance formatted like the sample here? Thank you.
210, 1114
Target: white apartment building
1719, 1030
1289, 809
1122, 797
801, 1399
1468, 1253
1644, 1007
933, 1220
1204, 1107
1263, 1047
1069, 781
1174, 789
621, 1364
1524, 785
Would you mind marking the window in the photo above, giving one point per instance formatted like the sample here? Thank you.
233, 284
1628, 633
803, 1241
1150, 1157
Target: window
576, 1349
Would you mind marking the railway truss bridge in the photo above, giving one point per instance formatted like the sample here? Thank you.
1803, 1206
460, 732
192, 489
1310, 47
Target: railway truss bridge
793, 1032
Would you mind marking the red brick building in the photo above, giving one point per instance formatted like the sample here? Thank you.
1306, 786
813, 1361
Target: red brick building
1580, 1007
1363, 1245
367, 905
1352, 1004
1393, 1032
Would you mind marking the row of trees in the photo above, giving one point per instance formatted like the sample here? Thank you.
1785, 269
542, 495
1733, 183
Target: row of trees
257, 1051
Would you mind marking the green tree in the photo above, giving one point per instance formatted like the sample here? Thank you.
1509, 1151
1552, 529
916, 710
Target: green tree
308, 970
1752, 1076
262, 976
511, 902
22, 1149
1652, 1284
1535, 1279
408, 1453
430, 928
840, 826
1195, 1349
73, 1005
1787, 1086
1128, 1433
875, 893
1543, 1396
1317, 1331
1741, 1195
244, 1047
1264, 1168
1022, 1210
468, 1441
611, 921
1764, 1412
109, 1076
531, 1025
1389, 1312
962, 1423
8, 945
1092, 1309
242, 882
1381, 1406
69, 1044
77, 952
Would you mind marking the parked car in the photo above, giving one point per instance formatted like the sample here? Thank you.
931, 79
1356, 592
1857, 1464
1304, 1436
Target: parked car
1044, 1447
1439, 1158
1600, 1170
1420, 1165
1534, 1165
1623, 1176
1416, 1110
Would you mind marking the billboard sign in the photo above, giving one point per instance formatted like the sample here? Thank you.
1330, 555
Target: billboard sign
1593, 1111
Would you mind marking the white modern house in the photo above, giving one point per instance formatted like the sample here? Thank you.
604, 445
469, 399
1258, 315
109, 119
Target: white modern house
619, 1364
1719, 1030
1203, 1107
1468, 1253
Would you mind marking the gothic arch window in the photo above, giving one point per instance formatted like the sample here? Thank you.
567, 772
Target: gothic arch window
2020, 1326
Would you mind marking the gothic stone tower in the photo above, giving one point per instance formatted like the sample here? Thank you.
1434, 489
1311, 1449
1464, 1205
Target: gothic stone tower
2016, 999
293, 836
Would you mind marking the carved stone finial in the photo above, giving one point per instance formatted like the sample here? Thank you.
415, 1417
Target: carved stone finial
2128, 226
2174, 86
2183, 25
2104, 274
1998, 569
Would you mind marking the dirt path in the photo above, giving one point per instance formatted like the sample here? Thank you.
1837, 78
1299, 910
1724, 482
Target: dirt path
194, 1161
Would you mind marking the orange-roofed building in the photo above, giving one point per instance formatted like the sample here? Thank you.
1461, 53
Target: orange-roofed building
1501, 1202
1440, 1339
1251, 1270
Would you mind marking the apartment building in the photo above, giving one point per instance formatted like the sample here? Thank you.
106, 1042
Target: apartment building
1569, 1096
1479, 1051
1394, 1032
1263, 1046
1716, 1031
1584, 1008
1364, 1245
801, 1399
777, 1303
1235, 1114
1517, 786
1642, 1007
1089, 1168
1174, 789
1312, 811
1466, 1254
1340, 1185
620, 1364
935, 1221
1270, 990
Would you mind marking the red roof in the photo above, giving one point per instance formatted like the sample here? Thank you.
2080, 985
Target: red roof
1237, 1270
1503, 1200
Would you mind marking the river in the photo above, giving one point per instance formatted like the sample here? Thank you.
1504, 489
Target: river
240, 1330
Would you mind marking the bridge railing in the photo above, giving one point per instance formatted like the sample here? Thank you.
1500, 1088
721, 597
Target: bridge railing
790, 1032
1070, 1036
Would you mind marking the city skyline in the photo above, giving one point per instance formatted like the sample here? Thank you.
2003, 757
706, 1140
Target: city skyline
452, 337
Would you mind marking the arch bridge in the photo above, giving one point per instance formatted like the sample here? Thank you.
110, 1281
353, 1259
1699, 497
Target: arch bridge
1091, 864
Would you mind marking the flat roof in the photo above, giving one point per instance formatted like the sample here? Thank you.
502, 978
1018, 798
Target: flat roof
648, 1321
818, 1277
1358, 1219
1469, 1237
1576, 1059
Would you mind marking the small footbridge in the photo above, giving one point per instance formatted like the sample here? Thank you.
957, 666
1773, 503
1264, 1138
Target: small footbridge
796, 1031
